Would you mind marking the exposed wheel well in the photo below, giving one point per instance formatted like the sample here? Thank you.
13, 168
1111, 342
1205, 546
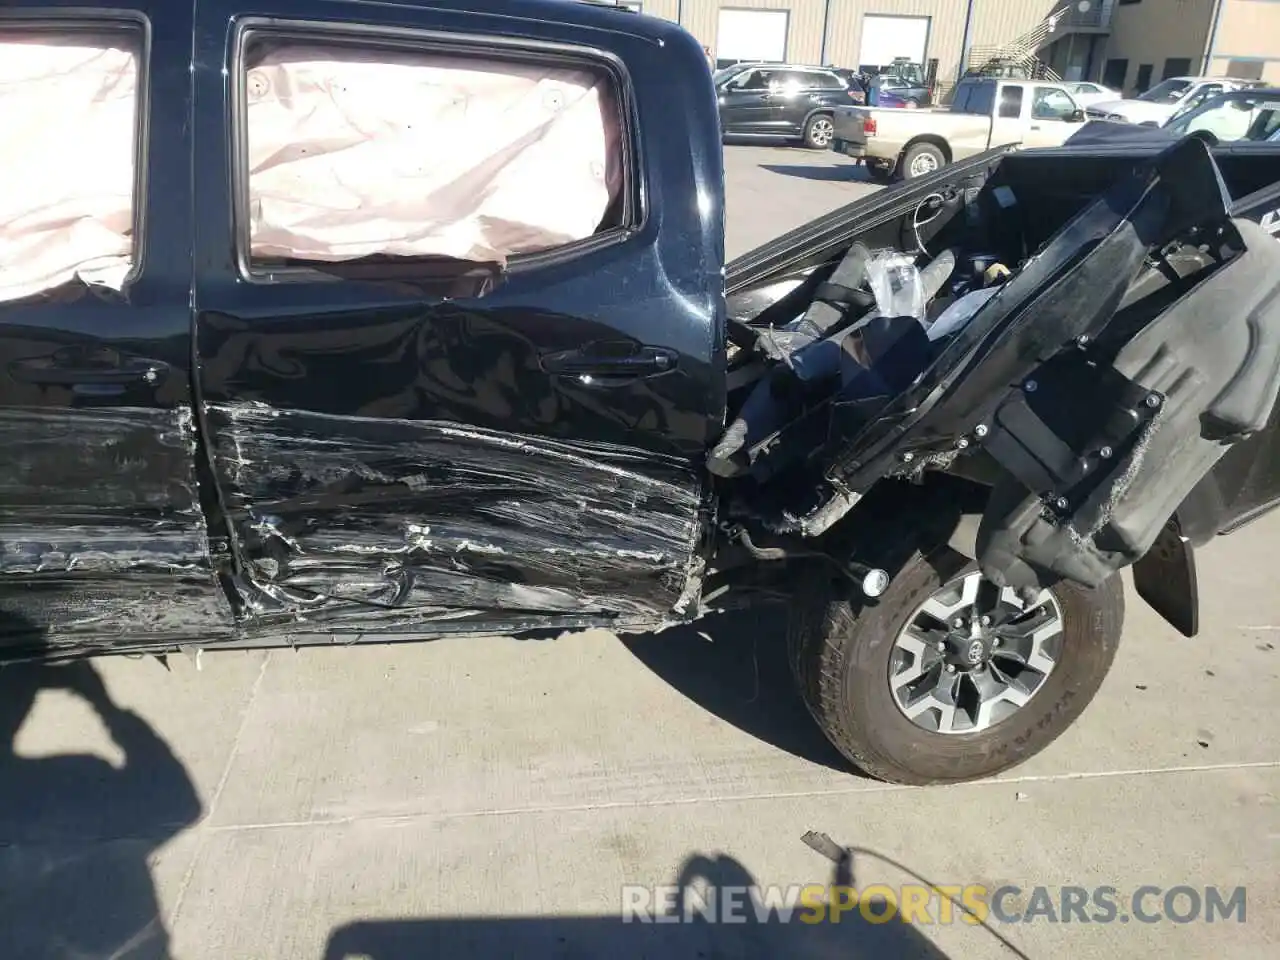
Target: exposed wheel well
931, 138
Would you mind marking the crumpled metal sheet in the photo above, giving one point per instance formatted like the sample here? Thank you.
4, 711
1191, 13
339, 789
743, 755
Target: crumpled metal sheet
102, 537
373, 523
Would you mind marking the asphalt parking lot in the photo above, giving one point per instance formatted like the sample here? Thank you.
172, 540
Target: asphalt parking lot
493, 797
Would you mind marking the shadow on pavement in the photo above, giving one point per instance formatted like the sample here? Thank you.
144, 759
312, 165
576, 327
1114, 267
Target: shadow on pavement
76, 831
735, 665
843, 173
682, 930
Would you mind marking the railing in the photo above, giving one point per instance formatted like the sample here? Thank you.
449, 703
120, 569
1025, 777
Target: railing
1095, 16
1020, 55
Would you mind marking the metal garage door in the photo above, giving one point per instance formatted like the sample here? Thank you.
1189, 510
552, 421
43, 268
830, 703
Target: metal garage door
752, 35
886, 38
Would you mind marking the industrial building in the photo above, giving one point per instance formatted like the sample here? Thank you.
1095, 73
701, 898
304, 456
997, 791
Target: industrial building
1125, 43
1153, 39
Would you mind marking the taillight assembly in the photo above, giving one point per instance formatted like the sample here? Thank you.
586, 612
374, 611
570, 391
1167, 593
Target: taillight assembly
869, 125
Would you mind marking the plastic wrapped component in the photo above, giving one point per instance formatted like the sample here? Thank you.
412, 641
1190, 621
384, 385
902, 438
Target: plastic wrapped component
960, 312
894, 279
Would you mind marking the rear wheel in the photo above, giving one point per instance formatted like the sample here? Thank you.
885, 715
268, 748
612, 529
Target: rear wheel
922, 159
818, 131
917, 688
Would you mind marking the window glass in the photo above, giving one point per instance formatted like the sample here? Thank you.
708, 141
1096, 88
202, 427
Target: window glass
357, 153
68, 157
983, 99
1232, 118
1011, 102
1208, 91
758, 79
1052, 103
824, 81
1167, 91
805, 80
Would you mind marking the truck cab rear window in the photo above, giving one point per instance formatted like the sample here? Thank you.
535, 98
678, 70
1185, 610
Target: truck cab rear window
391, 154
71, 138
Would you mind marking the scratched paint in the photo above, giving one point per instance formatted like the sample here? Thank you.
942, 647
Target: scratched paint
102, 536
372, 523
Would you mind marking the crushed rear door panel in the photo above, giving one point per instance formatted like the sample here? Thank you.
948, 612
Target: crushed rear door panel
390, 524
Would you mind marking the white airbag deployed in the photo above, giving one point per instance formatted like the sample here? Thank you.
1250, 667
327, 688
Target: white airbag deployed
353, 154
66, 163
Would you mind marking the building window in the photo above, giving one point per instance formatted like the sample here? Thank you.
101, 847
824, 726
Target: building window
1144, 78
1176, 67
317, 187
1114, 74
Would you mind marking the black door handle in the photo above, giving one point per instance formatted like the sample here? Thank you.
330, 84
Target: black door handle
73, 368
610, 362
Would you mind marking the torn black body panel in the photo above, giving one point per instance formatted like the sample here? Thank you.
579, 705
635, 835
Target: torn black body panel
102, 534
1208, 371
1059, 380
358, 523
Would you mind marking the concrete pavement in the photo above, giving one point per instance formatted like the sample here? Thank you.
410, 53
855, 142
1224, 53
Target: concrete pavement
490, 797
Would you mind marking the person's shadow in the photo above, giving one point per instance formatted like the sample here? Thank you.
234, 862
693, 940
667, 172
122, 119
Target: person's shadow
76, 831
697, 925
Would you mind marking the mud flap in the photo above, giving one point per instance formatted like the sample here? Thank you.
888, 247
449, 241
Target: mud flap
1165, 578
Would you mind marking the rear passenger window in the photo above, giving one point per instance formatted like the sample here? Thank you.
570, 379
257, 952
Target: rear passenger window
1010, 103
70, 136
391, 154
982, 100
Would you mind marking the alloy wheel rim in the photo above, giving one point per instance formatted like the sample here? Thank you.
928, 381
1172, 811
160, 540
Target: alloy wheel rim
822, 132
956, 670
925, 163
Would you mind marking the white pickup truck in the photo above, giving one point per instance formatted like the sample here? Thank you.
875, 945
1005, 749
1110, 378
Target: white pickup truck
984, 113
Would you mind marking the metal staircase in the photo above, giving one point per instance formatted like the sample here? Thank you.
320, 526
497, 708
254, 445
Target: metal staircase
1018, 57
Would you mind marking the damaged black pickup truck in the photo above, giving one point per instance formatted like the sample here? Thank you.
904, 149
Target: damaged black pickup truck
332, 321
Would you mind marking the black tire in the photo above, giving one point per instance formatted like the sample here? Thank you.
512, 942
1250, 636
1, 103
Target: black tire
880, 172
912, 159
840, 648
818, 131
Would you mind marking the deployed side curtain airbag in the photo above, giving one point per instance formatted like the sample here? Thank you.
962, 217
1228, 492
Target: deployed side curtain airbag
67, 132
404, 153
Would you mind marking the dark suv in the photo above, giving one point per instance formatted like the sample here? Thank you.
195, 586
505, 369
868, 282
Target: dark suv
783, 100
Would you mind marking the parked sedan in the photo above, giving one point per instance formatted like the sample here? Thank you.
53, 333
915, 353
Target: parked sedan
1165, 100
782, 101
